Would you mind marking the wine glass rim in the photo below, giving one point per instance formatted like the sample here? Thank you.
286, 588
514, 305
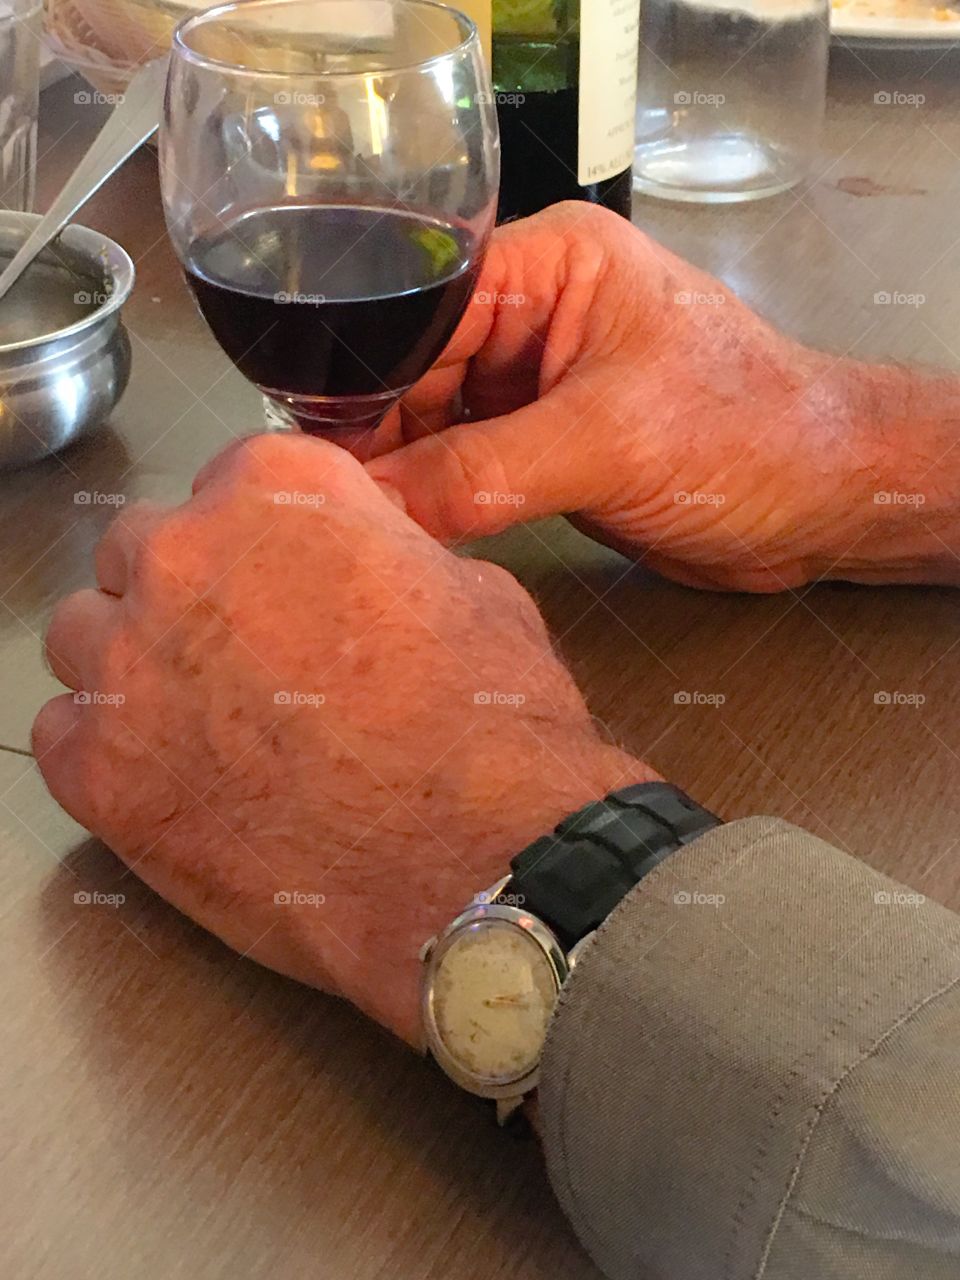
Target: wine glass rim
468, 29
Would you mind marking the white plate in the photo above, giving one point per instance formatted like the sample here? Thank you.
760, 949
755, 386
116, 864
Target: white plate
859, 21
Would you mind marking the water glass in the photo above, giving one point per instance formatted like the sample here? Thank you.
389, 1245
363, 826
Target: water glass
19, 93
731, 96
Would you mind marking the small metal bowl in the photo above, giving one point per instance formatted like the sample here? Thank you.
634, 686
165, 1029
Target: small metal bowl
64, 354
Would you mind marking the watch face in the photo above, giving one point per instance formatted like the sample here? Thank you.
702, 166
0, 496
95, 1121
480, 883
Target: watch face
492, 993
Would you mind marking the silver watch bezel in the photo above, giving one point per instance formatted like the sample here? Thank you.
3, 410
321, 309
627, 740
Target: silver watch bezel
432, 955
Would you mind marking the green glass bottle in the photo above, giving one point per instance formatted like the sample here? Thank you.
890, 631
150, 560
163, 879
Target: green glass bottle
564, 74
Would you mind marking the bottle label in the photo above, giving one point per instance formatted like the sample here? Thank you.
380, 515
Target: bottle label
609, 32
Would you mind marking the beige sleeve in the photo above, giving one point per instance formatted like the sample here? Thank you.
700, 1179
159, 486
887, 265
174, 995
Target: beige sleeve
754, 1071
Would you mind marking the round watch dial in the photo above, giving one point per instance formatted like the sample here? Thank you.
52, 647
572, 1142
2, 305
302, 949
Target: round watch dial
494, 989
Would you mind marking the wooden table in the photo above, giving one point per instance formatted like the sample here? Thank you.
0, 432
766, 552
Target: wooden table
172, 1111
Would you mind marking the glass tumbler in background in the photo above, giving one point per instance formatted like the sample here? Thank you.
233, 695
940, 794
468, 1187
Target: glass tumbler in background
19, 96
731, 96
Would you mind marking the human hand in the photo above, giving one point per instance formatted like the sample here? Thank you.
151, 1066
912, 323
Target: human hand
606, 378
288, 688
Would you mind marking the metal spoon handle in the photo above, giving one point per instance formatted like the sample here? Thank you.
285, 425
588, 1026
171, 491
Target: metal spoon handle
130, 124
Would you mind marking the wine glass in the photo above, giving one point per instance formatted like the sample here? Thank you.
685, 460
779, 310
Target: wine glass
329, 172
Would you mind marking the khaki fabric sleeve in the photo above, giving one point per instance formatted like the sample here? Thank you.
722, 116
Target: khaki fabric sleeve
754, 1071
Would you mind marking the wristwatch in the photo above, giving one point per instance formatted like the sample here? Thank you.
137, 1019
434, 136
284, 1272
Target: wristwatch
491, 979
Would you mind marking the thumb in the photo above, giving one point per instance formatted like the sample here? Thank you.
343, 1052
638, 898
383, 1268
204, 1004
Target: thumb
482, 477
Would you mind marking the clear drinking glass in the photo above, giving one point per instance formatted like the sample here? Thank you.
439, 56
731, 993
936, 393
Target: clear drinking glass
19, 93
329, 172
731, 96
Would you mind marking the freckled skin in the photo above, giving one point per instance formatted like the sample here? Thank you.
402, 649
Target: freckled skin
387, 787
397, 796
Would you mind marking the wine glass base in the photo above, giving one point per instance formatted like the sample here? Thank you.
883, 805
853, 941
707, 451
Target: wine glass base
349, 422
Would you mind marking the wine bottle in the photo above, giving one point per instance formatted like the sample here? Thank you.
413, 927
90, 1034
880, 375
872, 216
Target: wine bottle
565, 79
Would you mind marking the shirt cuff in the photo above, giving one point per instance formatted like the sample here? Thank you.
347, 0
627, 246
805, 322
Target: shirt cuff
703, 1030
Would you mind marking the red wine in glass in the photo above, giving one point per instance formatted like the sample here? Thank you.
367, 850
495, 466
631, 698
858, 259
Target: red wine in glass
333, 310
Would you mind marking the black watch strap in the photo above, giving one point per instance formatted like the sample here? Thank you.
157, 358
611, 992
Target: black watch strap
573, 878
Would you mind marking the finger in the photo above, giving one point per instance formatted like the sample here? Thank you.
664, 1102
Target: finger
530, 265
483, 477
281, 464
113, 555
57, 739
432, 405
78, 635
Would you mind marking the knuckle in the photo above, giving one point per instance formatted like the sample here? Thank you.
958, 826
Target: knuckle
475, 470
514, 601
259, 456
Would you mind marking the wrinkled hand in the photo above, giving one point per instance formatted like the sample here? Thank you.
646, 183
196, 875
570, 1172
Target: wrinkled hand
606, 378
307, 724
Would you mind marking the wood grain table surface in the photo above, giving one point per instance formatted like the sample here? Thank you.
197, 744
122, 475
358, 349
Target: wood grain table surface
168, 1110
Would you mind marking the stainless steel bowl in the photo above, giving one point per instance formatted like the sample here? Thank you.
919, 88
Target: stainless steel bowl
64, 354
